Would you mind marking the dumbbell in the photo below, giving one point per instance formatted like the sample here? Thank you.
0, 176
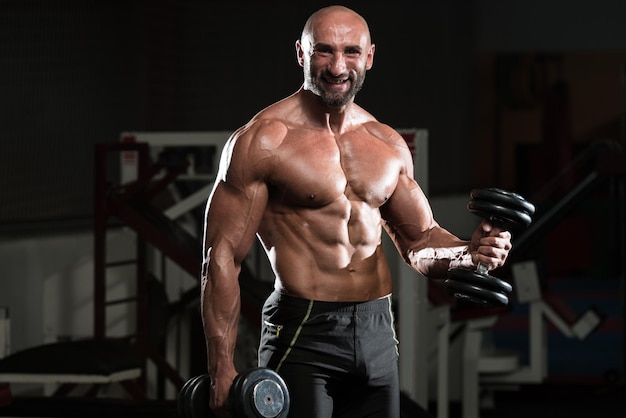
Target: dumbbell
505, 210
256, 393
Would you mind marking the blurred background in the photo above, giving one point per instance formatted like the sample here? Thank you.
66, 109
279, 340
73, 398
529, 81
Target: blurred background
528, 96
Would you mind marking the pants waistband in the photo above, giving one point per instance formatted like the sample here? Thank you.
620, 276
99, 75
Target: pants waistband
292, 302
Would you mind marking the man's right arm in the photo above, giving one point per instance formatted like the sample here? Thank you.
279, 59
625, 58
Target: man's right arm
233, 214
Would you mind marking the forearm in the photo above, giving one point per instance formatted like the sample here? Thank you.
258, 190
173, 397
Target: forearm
220, 315
437, 252
434, 262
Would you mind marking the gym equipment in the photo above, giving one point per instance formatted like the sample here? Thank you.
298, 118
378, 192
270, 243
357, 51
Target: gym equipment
505, 210
93, 362
257, 393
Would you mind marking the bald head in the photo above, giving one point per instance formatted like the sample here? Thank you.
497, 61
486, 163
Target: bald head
334, 14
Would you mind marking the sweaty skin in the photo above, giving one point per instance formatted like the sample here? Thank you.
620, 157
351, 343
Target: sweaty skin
317, 178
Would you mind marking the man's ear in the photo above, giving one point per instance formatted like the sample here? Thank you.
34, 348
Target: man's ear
299, 53
370, 57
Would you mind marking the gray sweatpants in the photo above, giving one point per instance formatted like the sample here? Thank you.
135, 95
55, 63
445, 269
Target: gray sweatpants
338, 359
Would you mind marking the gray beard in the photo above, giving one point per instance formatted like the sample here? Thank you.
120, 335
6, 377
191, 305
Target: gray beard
336, 100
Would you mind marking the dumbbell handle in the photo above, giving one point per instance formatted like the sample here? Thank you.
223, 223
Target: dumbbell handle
496, 222
482, 269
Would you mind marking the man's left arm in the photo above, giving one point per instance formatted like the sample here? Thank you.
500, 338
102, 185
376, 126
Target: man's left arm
426, 246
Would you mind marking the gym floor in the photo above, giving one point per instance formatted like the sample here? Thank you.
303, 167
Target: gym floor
534, 401
551, 400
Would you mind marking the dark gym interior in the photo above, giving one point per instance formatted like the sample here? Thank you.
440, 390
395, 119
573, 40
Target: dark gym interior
523, 95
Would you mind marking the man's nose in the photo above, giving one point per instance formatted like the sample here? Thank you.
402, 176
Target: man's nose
338, 64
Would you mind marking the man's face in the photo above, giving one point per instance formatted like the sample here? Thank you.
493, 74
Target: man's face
335, 55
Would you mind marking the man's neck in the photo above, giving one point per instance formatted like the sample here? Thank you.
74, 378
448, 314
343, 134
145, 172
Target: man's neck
335, 119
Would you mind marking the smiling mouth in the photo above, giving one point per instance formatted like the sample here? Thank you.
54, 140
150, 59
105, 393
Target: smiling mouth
336, 81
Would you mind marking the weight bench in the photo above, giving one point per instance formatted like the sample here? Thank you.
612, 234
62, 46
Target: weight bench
501, 368
71, 363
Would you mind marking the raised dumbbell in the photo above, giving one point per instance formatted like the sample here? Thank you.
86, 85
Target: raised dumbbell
256, 393
505, 210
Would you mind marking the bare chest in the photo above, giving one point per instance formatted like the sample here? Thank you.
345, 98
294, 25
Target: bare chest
315, 170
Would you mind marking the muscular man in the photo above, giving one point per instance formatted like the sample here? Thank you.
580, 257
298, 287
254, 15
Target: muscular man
317, 178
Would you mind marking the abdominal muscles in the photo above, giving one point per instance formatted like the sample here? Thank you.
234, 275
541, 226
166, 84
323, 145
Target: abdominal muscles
327, 253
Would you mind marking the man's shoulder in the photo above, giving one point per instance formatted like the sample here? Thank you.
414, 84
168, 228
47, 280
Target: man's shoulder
273, 116
383, 131
375, 127
272, 123
261, 129
253, 143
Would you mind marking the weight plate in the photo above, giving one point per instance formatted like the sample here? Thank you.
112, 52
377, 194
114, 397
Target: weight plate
198, 395
259, 393
268, 398
184, 403
476, 294
503, 198
481, 280
509, 217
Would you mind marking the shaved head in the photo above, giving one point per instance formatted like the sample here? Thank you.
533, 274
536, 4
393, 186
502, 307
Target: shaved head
336, 12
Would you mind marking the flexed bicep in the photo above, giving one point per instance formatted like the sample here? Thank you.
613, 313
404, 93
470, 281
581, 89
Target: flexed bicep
407, 215
421, 241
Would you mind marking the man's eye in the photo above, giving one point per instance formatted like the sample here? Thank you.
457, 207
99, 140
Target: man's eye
322, 52
353, 52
